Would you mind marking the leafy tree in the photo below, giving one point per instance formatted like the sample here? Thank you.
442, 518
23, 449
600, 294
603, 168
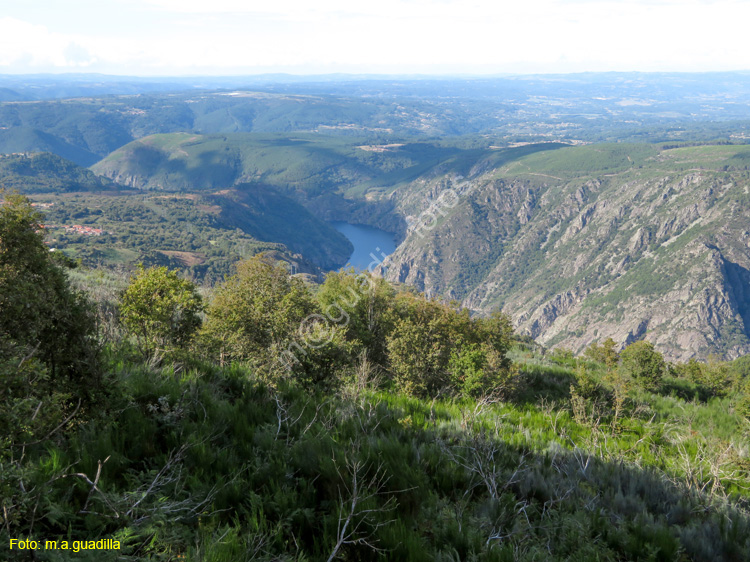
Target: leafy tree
604, 353
319, 355
360, 303
49, 361
260, 307
41, 316
496, 331
161, 310
691, 370
646, 365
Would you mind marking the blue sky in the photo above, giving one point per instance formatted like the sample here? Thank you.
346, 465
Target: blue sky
220, 37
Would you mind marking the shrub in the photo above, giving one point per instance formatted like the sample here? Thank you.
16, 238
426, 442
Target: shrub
478, 371
260, 307
424, 335
161, 310
563, 357
642, 362
714, 377
434, 348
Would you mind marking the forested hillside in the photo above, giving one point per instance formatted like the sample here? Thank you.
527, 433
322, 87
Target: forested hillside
100, 222
43, 172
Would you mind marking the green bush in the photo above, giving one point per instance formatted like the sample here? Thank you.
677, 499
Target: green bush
435, 348
479, 371
260, 307
714, 376
424, 335
161, 310
642, 362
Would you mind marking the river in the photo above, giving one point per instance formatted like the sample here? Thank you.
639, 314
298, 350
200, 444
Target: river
371, 244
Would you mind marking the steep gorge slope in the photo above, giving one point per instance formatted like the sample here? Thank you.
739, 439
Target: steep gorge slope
583, 243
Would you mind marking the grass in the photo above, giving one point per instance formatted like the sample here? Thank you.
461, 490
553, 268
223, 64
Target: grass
582, 161
249, 472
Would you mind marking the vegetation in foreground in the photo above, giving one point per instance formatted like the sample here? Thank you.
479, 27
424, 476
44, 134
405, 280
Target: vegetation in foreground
358, 421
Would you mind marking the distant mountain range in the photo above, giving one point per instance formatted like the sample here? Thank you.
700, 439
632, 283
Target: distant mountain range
84, 118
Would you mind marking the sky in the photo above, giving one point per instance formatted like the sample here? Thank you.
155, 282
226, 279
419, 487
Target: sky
473, 37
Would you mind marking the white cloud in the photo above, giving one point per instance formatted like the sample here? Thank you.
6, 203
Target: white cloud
224, 36
23, 44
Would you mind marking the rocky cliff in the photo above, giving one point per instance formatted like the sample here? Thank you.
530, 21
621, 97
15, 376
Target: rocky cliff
582, 243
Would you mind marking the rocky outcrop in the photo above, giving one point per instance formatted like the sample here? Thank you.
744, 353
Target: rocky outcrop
649, 252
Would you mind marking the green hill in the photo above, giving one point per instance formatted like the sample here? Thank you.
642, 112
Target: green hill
584, 107
40, 172
27, 139
309, 164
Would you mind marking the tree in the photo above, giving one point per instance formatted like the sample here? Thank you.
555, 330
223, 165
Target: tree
320, 357
603, 353
161, 310
41, 316
646, 365
359, 303
49, 360
496, 330
259, 308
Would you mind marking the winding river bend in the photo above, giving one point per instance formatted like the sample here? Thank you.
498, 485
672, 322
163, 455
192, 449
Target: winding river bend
371, 244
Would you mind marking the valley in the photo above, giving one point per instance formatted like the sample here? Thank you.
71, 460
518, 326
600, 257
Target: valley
549, 359
576, 243
577, 239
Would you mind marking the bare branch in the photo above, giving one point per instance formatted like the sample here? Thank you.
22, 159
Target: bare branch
357, 524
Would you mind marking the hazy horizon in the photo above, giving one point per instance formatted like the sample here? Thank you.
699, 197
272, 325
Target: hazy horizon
333, 76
